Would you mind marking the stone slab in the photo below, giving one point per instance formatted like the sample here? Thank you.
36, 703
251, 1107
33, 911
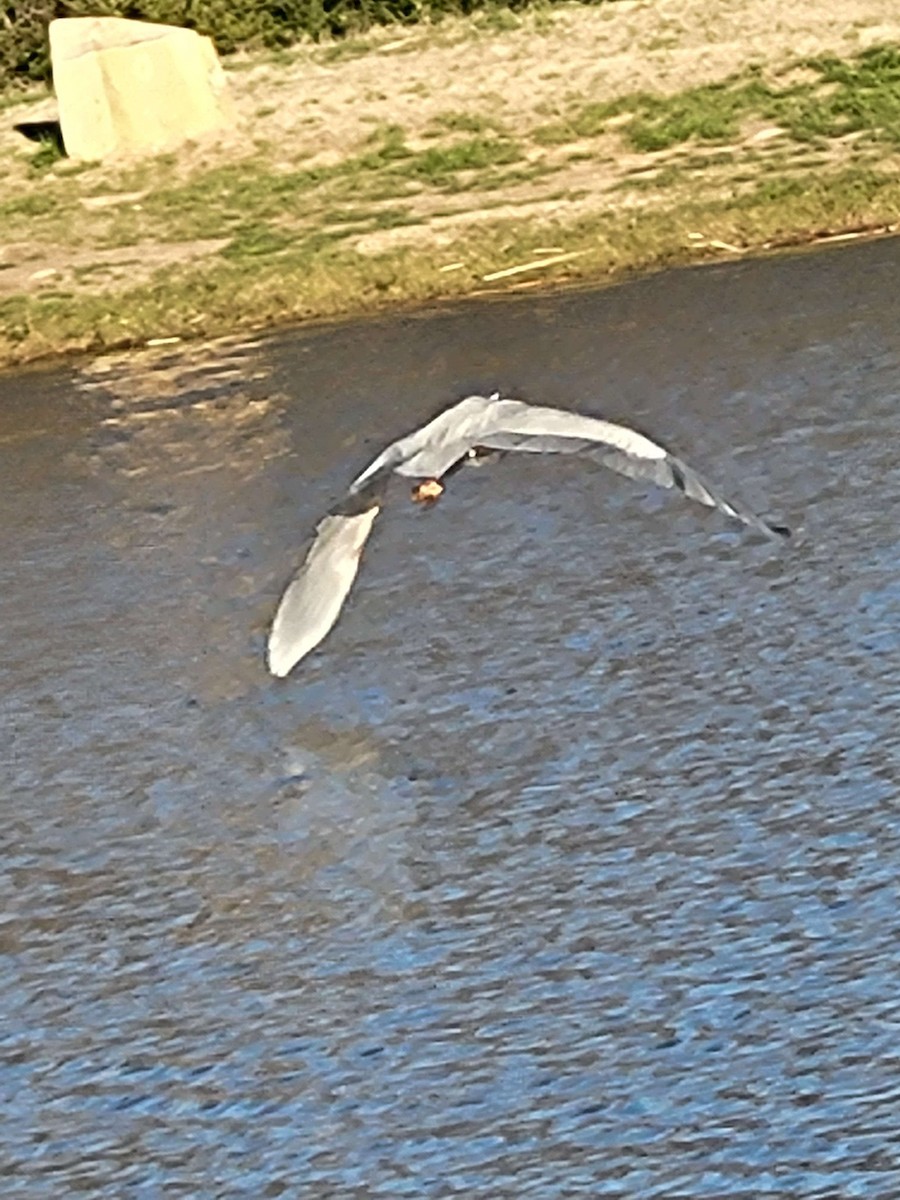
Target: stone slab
134, 87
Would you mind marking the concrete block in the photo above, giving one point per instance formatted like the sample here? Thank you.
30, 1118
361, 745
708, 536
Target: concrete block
133, 87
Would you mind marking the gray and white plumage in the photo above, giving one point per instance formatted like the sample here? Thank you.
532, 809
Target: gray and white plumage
313, 600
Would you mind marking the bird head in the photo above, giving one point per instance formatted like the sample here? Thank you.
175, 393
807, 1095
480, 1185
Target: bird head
429, 491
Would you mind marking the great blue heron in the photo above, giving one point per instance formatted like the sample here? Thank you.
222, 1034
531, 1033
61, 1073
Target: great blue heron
313, 600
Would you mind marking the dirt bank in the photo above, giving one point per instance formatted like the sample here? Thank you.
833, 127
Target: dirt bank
499, 152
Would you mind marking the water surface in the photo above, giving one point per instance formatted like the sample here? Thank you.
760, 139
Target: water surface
566, 867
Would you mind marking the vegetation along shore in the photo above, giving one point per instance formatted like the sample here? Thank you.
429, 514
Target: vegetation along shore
500, 151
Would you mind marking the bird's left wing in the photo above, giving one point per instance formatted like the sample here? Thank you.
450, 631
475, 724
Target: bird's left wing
314, 598
534, 429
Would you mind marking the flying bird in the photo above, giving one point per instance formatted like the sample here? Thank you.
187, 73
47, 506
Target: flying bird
475, 427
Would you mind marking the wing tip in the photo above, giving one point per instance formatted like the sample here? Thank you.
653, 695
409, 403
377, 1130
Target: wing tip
279, 664
779, 532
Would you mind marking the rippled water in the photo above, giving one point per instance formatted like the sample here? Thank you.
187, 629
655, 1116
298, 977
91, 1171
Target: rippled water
566, 867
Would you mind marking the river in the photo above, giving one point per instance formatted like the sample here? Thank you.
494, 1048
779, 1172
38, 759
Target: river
567, 866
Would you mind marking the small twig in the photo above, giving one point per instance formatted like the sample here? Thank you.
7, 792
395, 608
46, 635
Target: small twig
724, 246
817, 236
534, 265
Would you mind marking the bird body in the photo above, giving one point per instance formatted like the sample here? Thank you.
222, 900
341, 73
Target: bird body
313, 600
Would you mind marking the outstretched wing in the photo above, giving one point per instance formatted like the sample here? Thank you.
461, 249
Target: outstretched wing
434, 448
314, 598
671, 472
537, 430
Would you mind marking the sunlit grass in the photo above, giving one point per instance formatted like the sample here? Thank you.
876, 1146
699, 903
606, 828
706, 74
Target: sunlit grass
321, 275
439, 165
463, 122
49, 153
287, 238
862, 95
37, 204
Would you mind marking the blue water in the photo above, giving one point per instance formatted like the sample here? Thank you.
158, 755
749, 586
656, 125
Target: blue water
567, 865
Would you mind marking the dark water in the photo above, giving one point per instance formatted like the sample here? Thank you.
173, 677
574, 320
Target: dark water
568, 865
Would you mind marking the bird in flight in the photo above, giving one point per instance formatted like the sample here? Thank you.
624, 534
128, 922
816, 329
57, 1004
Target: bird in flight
469, 430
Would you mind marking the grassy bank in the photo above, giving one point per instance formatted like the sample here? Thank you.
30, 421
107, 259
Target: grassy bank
465, 199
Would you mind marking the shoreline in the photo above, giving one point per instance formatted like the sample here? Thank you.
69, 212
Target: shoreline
799, 243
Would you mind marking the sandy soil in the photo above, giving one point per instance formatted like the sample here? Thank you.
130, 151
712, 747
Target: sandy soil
524, 75
326, 100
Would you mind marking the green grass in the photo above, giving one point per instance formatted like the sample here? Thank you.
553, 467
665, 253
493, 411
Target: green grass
318, 275
862, 95
711, 113
670, 176
256, 239
221, 202
439, 165
525, 173
346, 49
853, 97
496, 19
463, 122
38, 204
371, 218
48, 155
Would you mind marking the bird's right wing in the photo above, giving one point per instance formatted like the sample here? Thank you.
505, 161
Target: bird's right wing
533, 429
314, 598
671, 472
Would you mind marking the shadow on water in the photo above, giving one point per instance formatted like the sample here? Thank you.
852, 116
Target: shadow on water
566, 866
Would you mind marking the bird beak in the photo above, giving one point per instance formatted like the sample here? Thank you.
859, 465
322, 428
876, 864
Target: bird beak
427, 492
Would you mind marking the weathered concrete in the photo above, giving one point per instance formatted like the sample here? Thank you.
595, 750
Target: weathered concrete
132, 87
